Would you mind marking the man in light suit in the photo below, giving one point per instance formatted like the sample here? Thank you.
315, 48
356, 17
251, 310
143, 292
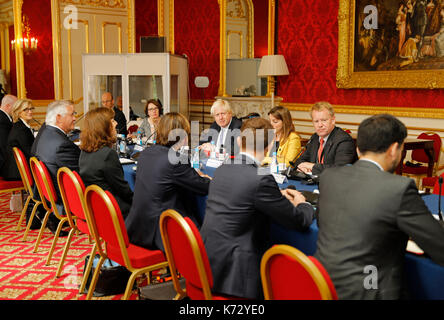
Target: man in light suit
329, 146
54, 148
366, 214
5, 125
241, 204
224, 130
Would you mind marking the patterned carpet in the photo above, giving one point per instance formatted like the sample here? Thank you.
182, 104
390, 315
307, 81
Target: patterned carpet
24, 275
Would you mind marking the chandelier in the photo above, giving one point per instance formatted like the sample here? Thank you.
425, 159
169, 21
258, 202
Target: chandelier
26, 43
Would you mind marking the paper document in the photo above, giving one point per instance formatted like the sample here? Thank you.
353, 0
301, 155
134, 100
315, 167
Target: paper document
413, 248
126, 161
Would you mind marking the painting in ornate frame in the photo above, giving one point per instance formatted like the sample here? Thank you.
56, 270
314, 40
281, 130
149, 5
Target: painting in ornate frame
405, 51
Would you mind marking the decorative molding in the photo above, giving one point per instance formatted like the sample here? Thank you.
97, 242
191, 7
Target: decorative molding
119, 31
20, 65
131, 26
171, 26
160, 18
241, 40
98, 3
235, 9
429, 113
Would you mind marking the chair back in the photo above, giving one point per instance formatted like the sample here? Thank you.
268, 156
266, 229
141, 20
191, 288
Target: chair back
288, 274
72, 191
420, 155
25, 172
44, 183
106, 223
186, 253
436, 186
133, 128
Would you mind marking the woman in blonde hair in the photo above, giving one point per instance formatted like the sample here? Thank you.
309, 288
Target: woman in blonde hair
287, 143
99, 163
20, 136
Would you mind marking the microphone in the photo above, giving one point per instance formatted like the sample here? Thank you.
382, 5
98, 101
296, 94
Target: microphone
439, 199
148, 139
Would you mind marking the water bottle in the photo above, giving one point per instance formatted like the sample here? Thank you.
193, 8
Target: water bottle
274, 165
195, 159
139, 138
213, 150
122, 147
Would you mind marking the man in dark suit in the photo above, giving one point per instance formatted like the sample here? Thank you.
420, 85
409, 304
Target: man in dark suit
224, 130
242, 202
54, 147
119, 116
330, 146
5, 125
366, 214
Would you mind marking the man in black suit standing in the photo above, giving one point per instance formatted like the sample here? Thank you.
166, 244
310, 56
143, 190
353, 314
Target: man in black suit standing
5, 125
366, 214
119, 116
54, 147
329, 146
242, 202
224, 130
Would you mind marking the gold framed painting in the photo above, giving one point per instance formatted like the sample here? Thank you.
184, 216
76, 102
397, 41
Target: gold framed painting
390, 44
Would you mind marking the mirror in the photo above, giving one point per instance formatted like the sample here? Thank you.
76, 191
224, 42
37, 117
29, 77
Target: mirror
247, 34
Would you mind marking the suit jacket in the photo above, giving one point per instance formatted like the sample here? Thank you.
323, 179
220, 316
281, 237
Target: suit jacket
161, 184
365, 217
56, 150
236, 229
21, 137
339, 150
5, 127
230, 139
120, 118
287, 151
37, 138
103, 168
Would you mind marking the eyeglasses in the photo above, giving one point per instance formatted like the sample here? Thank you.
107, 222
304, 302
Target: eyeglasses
29, 109
152, 109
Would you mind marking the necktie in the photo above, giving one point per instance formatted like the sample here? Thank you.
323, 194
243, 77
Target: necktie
321, 148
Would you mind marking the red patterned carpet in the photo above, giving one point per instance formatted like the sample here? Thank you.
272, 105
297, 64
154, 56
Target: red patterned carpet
24, 275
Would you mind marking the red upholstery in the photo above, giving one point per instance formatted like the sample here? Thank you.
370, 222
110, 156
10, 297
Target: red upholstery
133, 128
26, 166
429, 182
436, 186
183, 254
72, 196
419, 155
48, 179
326, 277
139, 257
6, 185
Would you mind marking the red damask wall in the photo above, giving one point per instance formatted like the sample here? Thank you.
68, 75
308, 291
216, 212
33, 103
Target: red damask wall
146, 20
197, 35
307, 35
39, 70
260, 28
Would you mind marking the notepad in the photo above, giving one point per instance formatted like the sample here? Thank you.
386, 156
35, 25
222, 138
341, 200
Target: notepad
214, 163
412, 247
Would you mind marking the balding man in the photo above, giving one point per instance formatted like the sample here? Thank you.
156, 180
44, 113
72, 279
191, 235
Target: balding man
119, 116
5, 124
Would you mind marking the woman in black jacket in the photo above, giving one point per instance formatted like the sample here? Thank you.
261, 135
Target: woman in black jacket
99, 163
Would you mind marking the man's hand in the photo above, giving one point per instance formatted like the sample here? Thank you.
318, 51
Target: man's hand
206, 147
306, 167
294, 196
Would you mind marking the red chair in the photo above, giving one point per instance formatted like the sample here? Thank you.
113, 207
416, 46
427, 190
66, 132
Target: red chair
420, 158
48, 196
133, 128
288, 274
111, 233
72, 191
186, 253
28, 182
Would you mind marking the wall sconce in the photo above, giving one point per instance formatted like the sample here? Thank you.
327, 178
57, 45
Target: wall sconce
26, 43
271, 66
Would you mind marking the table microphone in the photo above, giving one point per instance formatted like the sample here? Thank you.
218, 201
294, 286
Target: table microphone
439, 199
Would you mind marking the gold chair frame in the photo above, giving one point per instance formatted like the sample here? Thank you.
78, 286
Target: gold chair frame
48, 209
302, 259
203, 276
28, 189
135, 272
72, 223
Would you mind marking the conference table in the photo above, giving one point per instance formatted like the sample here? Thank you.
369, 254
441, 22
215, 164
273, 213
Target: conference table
425, 279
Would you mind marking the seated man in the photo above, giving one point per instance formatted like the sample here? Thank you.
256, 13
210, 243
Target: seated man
241, 203
330, 146
366, 214
54, 148
224, 130
5, 125
119, 116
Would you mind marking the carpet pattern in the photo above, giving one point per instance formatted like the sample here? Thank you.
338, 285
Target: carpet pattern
24, 275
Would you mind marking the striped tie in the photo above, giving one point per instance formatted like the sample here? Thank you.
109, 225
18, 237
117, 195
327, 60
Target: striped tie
321, 148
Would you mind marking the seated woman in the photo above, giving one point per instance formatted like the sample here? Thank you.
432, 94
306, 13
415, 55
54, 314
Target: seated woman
99, 163
287, 143
164, 180
153, 111
20, 136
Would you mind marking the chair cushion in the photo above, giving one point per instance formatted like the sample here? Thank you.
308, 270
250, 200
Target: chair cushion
139, 257
5, 185
429, 181
415, 170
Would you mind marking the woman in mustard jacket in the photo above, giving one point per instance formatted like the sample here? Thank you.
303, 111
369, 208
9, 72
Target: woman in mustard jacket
287, 143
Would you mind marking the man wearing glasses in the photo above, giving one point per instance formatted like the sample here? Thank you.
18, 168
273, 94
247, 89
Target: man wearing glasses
329, 146
119, 116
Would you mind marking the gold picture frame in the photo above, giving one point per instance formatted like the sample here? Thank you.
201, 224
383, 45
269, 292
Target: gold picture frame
347, 77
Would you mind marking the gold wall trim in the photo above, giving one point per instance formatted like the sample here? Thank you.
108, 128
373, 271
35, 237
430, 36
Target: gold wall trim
119, 31
431, 113
56, 45
222, 48
131, 26
160, 19
20, 65
171, 27
97, 3
241, 41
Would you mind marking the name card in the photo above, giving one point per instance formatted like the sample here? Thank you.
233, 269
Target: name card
280, 178
138, 148
214, 163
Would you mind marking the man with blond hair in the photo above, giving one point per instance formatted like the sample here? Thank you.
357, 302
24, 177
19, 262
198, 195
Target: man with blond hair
329, 146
